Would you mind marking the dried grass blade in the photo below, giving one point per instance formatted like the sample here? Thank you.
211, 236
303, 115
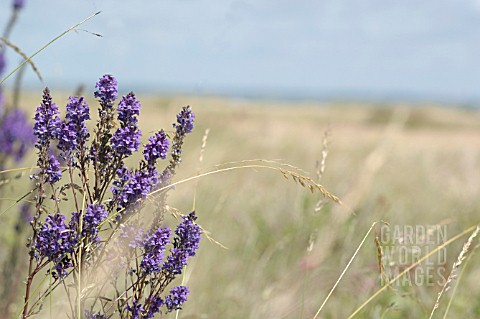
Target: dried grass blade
47, 45
448, 242
453, 274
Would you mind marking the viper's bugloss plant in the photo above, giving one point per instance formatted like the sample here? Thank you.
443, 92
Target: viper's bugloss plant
86, 232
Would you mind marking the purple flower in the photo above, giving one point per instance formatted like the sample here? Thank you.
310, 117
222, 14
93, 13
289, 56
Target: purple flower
73, 132
24, 217
157, 147
92, 315
18, 4
46, 121
183, 126
184, 245
155, 306
77, 110
130, 236
26, 213
131, 187
54, 241
185, 121
176, 298
94, 215
2, 62
53, 171
128, 110
154, 247
126, 140
67, 138
16, 134
2, 101
107, 90
135, 310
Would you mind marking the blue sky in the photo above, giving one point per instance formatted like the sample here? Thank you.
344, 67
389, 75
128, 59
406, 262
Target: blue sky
334, 48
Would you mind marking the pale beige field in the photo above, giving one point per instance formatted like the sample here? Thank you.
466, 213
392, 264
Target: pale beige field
403, 164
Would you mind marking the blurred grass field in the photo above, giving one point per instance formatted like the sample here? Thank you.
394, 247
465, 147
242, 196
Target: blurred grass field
403, 164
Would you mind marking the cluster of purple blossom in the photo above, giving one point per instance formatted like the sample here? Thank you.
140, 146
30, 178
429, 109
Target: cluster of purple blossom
163, 257
54, 243
16, 139
173, 301
69, 246
16, 135
18, 4
156, 269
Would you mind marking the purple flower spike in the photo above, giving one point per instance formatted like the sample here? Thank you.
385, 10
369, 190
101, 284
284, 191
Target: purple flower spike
155, 305
47, 123
107, 89
25, 217
157, 147
93, 315
176, 298
94, 215
128, 110
185, 121
135, 310
2, 62
2, 100
154, 248
133, 186
18, 4
67, 138
73, 132
126, 140
54, 241
130, 236
185, 244
53, 171
16, 134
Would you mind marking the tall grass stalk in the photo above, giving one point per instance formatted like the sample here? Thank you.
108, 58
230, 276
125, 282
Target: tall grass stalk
24, 56
28, 60
457, 282
455, 266
303, 180
345, 269
438, 248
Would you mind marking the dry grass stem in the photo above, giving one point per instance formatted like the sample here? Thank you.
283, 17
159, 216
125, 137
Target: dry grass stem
381, 267
346, 268
456, 265
320, 166
200, 161
472, 253
24, 56
259, 160
304, 181
420, 260
47, 45
204, 145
